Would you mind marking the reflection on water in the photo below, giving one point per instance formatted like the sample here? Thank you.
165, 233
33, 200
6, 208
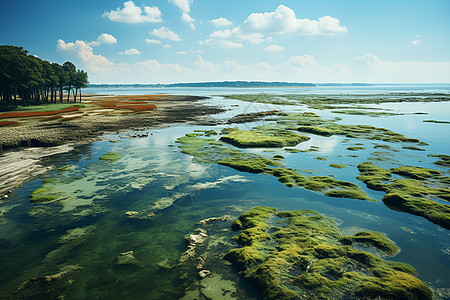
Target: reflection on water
117, 228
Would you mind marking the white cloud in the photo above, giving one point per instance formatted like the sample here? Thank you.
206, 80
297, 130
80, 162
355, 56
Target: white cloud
221, 22
165, 33
283, 20
222, 43
232, 38
104, 38
303, 61
131, 51
167, 46
182, 52
280, 21
85, 55
414, 43
183, 5
187, 18
130, 13
273, 48
151, 41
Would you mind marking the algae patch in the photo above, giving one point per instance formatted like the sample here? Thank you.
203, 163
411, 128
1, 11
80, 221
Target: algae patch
257, 138
110, 156
208, 150
413, 194
304, 256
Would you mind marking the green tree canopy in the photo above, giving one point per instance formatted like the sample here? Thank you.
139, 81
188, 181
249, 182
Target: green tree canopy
30, 79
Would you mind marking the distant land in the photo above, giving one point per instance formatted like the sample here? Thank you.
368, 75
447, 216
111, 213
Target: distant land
234, 84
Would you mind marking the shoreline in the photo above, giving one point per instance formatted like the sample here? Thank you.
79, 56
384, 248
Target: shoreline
23, 148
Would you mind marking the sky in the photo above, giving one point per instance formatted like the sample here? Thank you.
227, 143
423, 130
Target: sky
168, 41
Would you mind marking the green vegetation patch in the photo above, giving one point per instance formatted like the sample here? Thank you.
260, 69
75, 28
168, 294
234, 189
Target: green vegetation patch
269, 138
351, 194
444, 160
209, 150
110, 156
413, 148
44, 194
46, 107
316, 130
355, 148
337, 166
437, 122
413, 194
302, 255
365, 113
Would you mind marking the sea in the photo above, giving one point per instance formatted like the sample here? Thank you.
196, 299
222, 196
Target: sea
117, 256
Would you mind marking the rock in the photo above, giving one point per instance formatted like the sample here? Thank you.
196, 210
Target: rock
127, 258
202, 274
195, 239
213, 219
131, 213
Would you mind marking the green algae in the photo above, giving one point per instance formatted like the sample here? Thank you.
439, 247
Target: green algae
250, 164
415, 172
365, 113
351, 194
256, 138
316, 130
444, 160
413, 194
44, 194
436, 121
213, 151
110, 156
304, 256
321, 158
337, 166
413, 148
376, 239
292, 150
355, 148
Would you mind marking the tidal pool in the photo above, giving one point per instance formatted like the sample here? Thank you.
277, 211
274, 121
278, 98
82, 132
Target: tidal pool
116, 229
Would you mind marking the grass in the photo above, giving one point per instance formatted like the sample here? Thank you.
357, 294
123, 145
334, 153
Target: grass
257, 138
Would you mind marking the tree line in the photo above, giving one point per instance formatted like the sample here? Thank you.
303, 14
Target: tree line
26, 79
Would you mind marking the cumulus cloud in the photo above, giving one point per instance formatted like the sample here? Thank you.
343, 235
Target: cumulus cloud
185, 7
303, 61
84, 53
182, 52
233, 38
167, 46
131, 51
152, 41
221, 22
283, 20
414, 43
188, 19
273, 48
130, 13
165, 33
104, 38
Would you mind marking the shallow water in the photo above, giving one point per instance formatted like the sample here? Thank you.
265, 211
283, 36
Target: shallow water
90, 228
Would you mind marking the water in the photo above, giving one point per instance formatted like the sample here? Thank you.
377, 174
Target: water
91, 229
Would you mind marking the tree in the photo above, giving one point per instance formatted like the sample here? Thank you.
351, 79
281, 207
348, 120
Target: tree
81, 81
71, 72
33, 80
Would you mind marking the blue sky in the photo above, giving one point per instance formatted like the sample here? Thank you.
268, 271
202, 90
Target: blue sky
164, 41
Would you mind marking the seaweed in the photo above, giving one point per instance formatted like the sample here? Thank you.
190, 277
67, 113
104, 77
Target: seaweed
304, 256
110, 156
256, 138
413, 194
